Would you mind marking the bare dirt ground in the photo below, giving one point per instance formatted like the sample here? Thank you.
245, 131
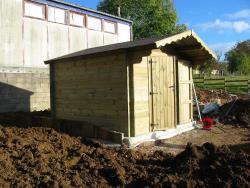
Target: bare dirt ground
42, 157
236, 137
232, 130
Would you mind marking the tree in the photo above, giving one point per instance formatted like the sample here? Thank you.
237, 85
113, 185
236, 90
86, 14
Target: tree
150, 17
243, 47
223, 68
239, 58
210, 65
238, 61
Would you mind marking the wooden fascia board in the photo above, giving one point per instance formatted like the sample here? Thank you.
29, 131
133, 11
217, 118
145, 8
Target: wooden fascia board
181, 36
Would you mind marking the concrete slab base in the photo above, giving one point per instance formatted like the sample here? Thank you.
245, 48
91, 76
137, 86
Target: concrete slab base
132, 142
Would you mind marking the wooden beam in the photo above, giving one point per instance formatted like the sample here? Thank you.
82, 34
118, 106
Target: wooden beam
130, 89
198, 58
190, 50
189, 47
172, 50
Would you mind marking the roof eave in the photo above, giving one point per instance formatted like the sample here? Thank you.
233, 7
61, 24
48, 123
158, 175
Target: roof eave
189, 33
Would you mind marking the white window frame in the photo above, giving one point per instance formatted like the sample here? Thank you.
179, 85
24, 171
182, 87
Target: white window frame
84, 19
115, 26
54, 14
36, 4
89, 17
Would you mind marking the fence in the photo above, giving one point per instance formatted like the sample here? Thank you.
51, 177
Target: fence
234, 84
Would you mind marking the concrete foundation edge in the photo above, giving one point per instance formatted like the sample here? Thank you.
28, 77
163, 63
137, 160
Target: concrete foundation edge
132, 142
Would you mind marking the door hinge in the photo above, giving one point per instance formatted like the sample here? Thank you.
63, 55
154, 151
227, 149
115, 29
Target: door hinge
151, 61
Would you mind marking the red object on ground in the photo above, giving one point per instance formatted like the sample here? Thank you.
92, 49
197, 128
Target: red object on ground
207, 123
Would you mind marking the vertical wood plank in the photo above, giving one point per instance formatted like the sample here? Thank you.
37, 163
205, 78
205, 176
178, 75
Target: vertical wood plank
171, 90
150, 101
164, 86
52, 91
191, 91
185, 98
160, 93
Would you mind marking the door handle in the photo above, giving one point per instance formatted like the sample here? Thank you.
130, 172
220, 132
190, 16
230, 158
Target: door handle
171, 86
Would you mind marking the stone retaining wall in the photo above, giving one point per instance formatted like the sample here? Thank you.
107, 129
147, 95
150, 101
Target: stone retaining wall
24, 89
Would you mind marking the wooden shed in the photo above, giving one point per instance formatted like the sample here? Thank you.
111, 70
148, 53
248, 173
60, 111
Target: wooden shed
138, 89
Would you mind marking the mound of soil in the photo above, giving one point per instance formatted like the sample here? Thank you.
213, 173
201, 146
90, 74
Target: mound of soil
205, 95
42, 157
239, 113
25, 119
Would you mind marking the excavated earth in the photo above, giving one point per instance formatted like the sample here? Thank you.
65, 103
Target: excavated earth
42, 157
238, 112
235, 107
205, 95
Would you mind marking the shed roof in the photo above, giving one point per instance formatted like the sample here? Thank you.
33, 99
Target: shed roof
187, 43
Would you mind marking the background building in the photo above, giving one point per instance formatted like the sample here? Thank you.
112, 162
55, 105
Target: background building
32, 31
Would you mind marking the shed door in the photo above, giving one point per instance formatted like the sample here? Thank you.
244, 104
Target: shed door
162, 92
185, 91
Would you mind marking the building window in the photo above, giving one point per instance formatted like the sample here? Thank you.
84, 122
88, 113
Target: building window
34, 10
109, 27
57, 15
94, 23
76, 19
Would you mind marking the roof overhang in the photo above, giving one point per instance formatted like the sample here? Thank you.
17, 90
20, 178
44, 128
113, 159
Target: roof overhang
188, 45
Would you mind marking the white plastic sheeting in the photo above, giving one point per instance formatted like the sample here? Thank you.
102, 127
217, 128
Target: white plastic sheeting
34, 10
158, 135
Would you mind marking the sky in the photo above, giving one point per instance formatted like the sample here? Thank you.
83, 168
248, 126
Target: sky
219, 23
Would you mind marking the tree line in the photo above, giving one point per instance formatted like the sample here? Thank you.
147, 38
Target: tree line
238, 58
